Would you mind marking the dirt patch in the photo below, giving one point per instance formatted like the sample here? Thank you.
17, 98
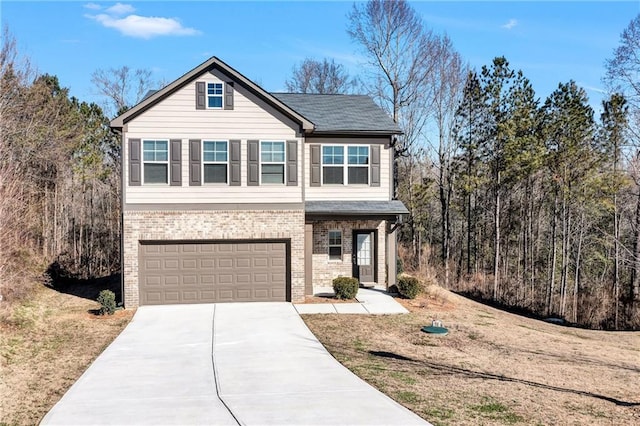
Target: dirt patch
327, 299
492, 368
46, 343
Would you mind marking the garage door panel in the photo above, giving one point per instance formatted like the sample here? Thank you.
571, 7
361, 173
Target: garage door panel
212, 272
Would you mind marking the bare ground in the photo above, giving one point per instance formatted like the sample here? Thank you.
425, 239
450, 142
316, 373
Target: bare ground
492, 368
46, 343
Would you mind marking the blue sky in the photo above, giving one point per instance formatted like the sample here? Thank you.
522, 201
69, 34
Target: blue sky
551, 42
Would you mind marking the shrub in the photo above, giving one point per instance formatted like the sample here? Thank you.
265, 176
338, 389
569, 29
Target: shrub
345, 287
409, 287
107, 300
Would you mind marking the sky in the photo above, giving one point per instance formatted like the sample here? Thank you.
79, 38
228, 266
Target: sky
552, 42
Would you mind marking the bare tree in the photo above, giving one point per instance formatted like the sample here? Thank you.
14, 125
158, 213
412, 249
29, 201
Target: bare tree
400, 52
326, 77
450, 74
122, 87
623, 76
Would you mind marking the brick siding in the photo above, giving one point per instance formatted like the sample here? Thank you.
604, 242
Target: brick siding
324, 269
211, 225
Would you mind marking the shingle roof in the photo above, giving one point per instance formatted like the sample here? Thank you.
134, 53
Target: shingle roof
342, 208
340, 113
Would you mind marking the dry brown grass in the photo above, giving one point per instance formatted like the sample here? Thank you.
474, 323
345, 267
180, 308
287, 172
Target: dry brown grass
492, 368
46, 343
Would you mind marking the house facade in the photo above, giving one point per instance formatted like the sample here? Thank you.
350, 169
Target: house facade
231, 193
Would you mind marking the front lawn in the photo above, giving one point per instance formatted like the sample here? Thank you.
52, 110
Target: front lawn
492, 368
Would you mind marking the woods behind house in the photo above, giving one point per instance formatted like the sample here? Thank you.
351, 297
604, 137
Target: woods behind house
530, 203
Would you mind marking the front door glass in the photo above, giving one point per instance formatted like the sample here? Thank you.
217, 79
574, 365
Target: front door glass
364, 249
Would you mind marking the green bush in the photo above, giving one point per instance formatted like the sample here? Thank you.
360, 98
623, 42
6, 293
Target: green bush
345, 287
107, 301
409, 287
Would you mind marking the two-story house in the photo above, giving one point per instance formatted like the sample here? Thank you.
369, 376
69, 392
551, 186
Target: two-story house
231, 193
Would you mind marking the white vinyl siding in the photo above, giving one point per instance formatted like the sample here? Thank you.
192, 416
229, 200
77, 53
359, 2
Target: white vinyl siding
176, 118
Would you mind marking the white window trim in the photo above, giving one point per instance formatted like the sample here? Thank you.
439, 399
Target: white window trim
283, 163
345, 166
156, 162
203, 162
208, 95
329, 245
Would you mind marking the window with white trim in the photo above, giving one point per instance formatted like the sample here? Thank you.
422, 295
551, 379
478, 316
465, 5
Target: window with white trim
358, 165
272, 161
336, 172
215, 156
214, 95
155, 158
333, 165
335, 245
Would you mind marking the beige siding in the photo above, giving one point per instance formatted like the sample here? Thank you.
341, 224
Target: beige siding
176, 118
348, 192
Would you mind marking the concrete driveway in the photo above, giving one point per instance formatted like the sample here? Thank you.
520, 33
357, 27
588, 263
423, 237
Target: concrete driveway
222, 364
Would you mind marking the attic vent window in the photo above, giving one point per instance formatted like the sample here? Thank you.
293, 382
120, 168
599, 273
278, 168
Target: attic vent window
214, 95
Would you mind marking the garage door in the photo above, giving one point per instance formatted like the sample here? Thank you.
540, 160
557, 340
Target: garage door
198, 272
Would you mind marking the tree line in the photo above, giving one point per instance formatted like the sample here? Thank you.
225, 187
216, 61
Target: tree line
59, 180
528, 203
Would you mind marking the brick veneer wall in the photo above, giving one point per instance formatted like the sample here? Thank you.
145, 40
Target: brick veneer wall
211, 225
325, 270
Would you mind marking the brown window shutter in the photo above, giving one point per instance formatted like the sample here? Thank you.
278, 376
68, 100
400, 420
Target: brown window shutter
228, 95
175, 178
315, 165
292, 163
201, 95
234, 163
135, 166
375, 165
253, 163
194, 162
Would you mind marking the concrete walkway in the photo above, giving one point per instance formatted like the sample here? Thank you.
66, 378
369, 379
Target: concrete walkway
370, 301
225, 364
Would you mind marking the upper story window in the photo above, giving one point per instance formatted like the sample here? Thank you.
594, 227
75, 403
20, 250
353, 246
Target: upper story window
358, 164
272, 161
215, 156
354, 172
214, 95
155, 157
333, 165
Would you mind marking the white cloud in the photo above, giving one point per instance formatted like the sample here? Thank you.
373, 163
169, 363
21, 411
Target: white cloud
145, 27
92, 6
121, 9
511, 24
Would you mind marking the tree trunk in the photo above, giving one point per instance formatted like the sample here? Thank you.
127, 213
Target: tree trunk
552, 275
496, 259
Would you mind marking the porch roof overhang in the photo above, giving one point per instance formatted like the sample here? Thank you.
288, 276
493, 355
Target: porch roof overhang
392, 210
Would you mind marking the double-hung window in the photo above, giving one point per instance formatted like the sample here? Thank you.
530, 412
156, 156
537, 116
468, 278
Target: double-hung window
333, 165
214, 95
215, 157
335, 245
272, 161
355, 171
155, 156
358, 164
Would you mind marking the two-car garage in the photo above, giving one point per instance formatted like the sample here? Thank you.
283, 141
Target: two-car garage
213, 271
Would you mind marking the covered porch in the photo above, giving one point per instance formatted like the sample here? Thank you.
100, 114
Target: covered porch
353, 239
